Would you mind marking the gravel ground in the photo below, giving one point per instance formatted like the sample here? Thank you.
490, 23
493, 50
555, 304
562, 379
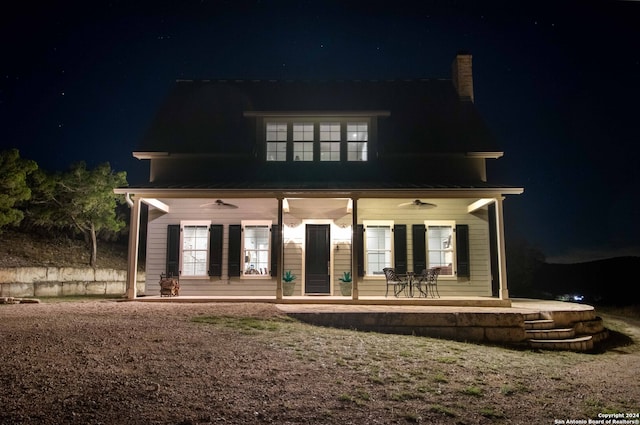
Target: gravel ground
108, 362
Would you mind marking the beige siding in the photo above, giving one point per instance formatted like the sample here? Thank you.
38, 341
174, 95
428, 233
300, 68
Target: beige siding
479, 284
190, 209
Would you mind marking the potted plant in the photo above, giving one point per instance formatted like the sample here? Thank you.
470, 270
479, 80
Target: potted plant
345, 284
288, 283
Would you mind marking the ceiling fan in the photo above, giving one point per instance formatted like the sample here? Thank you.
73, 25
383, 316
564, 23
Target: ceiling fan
417, 203
219, 203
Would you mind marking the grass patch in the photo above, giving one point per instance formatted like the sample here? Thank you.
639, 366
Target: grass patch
445, 411
446, 360
243, 324
491, 413
440, 378
473, 391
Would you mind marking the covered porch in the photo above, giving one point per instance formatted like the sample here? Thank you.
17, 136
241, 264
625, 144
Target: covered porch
318, 235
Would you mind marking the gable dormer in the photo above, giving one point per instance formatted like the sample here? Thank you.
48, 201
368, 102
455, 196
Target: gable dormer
317, 136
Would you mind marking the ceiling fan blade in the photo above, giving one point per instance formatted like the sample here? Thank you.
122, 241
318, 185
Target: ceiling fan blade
417, 203
218, 203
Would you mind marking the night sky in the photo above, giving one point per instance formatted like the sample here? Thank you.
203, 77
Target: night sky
558, 82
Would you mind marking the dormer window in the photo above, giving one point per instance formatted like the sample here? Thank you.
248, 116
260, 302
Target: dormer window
330, 141
276, 141
317, 136
303, 141
357, 138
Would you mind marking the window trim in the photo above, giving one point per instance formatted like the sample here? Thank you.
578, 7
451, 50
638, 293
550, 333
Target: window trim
377, 223
244, 224
449, 223
194, 223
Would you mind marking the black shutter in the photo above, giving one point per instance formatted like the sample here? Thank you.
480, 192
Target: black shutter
359, 246
275, 249
462, 250
215, 250
235, 234
173, 250
400, 248
419, 247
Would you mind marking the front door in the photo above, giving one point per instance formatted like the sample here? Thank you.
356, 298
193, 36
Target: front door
317, 243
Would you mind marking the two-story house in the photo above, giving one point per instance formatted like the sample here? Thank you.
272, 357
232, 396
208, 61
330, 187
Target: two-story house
249, 179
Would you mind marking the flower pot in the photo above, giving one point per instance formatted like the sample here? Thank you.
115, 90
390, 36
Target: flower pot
288, 287
345, 288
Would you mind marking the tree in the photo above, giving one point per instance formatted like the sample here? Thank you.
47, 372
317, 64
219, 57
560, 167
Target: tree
81, 200
13, 185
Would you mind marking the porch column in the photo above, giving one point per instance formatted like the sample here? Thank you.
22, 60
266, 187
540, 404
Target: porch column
132, 260
280, 252
502, 262
354, 251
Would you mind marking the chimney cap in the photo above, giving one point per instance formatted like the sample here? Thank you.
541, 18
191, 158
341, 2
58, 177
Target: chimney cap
463, 53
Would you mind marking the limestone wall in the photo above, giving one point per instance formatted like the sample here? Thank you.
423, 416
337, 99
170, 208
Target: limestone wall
62, 281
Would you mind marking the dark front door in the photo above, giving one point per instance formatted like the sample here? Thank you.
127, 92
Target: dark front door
317, 259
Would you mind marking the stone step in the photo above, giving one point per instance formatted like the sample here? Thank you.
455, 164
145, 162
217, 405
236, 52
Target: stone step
531, 316
539, 324
583, 343
553, 334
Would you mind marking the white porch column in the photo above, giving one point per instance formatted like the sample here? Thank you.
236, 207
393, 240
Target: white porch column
280, 252
132, 260
502, 262
354, 251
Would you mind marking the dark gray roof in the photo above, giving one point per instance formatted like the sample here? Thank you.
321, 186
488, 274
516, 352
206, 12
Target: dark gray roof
426, 116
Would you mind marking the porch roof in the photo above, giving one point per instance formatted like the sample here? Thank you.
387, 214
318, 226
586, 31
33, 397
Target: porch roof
323, 189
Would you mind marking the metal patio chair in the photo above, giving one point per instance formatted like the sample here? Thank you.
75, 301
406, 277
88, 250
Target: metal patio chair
393, 279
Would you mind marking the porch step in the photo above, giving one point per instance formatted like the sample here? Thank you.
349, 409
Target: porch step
553, 334
583, 343
539, 324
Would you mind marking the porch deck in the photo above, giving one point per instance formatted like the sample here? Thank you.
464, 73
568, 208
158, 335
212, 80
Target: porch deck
323, 300
522, 322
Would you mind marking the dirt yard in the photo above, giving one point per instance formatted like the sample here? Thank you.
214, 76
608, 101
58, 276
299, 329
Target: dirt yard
108, 362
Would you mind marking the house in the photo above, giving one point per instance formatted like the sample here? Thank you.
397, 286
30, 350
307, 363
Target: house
249, 179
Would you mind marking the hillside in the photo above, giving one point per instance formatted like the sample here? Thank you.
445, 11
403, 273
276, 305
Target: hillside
614, 280
24, 249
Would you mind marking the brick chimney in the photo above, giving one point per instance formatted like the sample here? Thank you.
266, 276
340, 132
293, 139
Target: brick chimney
462, 76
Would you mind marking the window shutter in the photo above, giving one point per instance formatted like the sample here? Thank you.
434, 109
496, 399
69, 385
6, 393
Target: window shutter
215, 250
359, 245
173, 250
275, 249
419, 247
235, 234
462, 250
400, 248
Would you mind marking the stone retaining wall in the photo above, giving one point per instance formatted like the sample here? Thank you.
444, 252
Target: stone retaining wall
62, 281
462, 326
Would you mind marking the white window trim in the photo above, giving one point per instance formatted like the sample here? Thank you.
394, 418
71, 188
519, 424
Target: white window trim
245, 223
186, 223
365, 224
452, 223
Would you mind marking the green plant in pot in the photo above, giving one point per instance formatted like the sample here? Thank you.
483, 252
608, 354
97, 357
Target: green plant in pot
288, 283
346, 284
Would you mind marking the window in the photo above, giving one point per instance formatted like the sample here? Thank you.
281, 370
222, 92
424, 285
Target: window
303, 142
195, 245
357, 137
303, 132
330, 141
276, 141
378, 247
440, 246
256, 248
